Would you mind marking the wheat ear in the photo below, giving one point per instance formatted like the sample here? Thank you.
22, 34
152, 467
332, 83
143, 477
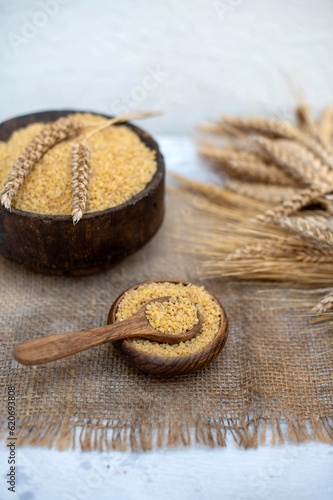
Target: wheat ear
276, 129
309, 229
259, 250
262, 192
304, 119
81, 161
52, 134
325, 305
80, 179
270, 127
325, 123
295, 160
313, 129
315, 256
246, 166
221, 154
295, 203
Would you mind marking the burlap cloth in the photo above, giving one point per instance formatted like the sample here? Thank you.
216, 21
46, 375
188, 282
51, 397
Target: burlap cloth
272, 381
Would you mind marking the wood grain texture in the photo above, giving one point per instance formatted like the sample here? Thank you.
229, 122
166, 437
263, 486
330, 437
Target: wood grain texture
170, 366
52, 244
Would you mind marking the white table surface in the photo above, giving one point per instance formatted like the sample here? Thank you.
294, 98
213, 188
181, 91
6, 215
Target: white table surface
289, 471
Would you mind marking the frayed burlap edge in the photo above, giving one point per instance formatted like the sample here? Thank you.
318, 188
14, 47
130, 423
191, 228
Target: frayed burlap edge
247, 433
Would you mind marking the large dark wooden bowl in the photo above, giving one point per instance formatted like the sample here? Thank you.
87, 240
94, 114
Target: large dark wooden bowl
169, 366
52, 244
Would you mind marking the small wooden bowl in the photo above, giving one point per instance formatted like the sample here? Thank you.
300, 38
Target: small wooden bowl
163, 365
52, 244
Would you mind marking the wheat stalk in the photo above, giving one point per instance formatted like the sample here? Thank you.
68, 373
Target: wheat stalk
259, 250
319, 148
277, 129
220, 196
315, 256
257, 171
311, 229
270, 127
312, 128
134, 115
268, 251
80, 179
295, 160
238, 127
223, 155
262, 192
325, 123
246, 166
325, 305
321, 172
52, 134
304, 119
299, 200
289, 234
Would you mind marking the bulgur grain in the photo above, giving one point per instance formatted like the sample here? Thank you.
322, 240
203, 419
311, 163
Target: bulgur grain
176, 315
133, 300
121, 167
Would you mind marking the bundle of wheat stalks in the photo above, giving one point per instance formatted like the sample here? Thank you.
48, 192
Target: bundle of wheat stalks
276, 221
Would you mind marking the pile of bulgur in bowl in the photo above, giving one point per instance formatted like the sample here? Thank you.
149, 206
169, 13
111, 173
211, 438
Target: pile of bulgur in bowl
125, 202
121, 166
210, 311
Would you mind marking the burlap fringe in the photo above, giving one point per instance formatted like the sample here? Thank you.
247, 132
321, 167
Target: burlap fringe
247, 433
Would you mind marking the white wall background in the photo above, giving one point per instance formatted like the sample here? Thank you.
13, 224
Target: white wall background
194, 59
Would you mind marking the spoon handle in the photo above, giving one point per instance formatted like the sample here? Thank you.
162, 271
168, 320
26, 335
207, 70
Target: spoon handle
45, 349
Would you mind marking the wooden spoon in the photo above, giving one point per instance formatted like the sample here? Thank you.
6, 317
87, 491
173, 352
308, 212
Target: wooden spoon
169, 366
45, 349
